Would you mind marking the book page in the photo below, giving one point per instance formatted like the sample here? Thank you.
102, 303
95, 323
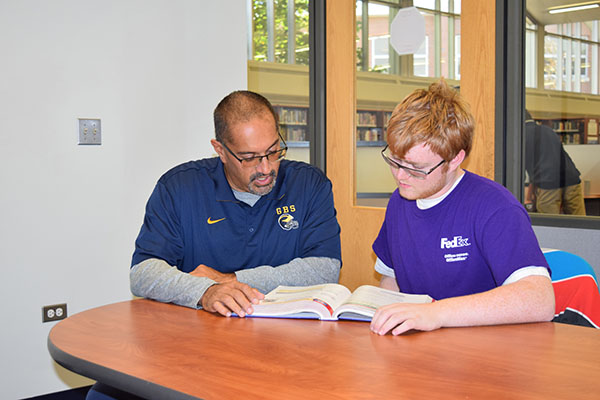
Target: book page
366, 299
593, 127
319, 299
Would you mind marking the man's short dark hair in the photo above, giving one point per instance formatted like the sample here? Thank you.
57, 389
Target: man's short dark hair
239, 106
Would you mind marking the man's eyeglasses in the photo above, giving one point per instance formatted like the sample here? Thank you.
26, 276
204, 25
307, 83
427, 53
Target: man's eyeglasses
417, 173
273, 156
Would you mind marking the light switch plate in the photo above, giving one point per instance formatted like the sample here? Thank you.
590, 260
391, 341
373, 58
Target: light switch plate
90, 131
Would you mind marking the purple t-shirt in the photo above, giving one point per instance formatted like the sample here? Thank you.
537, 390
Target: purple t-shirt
469, 243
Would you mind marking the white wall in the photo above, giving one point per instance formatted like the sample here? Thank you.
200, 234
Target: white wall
587, 160
152, 71
583, 242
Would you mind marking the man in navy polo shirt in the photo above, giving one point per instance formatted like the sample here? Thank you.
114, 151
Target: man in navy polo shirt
461, 238
220, 232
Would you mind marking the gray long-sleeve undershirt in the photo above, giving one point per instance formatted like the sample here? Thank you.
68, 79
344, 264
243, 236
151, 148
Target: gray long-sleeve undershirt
156, 279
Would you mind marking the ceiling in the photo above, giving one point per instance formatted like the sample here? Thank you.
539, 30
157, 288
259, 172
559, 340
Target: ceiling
538, 9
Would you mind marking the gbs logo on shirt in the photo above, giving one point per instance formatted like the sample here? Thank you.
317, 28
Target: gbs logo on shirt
457, 241
287, 222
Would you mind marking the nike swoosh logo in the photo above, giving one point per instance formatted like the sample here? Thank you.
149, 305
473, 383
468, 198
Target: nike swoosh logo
210, 221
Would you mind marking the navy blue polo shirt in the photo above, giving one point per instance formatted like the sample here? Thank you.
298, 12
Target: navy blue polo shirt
193, 218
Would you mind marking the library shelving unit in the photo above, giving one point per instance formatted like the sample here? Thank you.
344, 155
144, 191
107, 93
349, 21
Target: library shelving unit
371, 126
293, 124
574, 130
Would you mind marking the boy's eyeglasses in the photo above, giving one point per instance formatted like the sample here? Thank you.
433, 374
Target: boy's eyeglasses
417, 173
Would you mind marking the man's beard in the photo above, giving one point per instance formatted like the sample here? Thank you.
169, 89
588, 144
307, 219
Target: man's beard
262, 190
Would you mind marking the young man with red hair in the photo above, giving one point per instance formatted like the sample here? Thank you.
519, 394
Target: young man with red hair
461, 238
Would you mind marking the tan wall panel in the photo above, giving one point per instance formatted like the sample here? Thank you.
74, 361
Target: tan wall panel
478, 64
359, 225
282, 84
555, 104
372, 173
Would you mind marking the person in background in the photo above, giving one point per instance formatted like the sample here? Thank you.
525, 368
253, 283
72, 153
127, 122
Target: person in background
554, 181
461, 238
220, 232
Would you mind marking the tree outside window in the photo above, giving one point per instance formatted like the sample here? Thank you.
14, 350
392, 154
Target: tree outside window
279, 34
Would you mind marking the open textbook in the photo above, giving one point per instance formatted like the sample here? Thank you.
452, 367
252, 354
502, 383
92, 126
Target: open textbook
330, 301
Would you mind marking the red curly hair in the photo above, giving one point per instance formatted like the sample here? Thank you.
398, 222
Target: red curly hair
438, 117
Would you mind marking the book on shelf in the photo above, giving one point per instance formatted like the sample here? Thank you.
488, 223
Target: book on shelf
592, 131
573, 138
293, 134
366, 118
386, 117
593, 127
369, 134
330, 301
293, 116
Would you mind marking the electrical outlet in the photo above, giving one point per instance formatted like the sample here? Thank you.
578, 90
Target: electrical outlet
90, 131
54, 313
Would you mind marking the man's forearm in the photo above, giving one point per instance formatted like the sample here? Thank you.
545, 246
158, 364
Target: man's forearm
156, 279
530, 299
298, 272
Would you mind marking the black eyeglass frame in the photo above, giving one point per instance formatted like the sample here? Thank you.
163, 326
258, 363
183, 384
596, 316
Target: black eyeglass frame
244, 161
411, 171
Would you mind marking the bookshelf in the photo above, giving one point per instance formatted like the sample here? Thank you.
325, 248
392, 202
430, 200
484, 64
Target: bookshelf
293, 125
574, 130
371, 126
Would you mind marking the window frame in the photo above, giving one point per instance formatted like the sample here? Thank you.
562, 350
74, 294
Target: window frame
575, 43
317, 134
394, 65
510, 112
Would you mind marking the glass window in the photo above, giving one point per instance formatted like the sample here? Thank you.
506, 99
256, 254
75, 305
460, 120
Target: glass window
379, 59
421, 59
438, 56
429, 4
378, 89
570, 57
278, 67
551, 64
530, 53
279, 31
375, 32
562, 124
457, 56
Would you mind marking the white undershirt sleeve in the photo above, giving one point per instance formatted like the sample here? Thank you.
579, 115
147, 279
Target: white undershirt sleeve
526, 271
521, 273
384, 269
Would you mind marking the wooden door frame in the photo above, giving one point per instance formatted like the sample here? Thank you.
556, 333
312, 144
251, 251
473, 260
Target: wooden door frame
360, 225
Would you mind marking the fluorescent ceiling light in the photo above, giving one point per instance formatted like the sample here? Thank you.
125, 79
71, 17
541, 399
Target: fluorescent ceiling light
573, 7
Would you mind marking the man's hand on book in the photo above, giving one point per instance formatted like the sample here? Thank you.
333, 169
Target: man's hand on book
402, 317
231, 297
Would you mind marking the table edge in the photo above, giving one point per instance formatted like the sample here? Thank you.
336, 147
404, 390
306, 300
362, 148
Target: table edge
111, 377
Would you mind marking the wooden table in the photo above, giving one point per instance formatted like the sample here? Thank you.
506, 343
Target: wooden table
163, 351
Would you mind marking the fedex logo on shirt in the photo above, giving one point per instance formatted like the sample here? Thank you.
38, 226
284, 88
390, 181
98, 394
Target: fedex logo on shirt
457, 241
